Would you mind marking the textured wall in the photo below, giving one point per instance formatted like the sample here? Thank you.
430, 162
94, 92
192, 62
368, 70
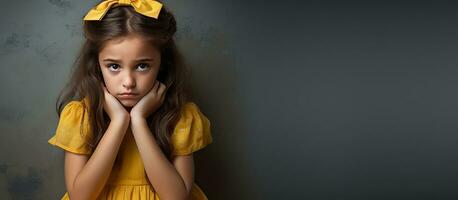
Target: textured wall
308, 100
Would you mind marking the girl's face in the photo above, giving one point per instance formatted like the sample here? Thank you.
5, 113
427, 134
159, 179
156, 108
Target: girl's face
129, 65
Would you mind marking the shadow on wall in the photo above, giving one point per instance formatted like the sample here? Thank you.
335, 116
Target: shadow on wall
219, 168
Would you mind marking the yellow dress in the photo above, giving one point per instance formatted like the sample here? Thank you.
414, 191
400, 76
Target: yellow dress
128, 180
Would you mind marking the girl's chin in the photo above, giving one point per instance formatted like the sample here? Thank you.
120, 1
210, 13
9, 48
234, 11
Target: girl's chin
128, 103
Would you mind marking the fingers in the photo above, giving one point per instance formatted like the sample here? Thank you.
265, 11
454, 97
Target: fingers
162, 90
157, 85
105, 91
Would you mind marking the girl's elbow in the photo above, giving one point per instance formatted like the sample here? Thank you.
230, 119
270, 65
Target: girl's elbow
80, 195
74, 196
176, 196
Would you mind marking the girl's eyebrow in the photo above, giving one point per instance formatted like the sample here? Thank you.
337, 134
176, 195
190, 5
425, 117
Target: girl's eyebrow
138, 60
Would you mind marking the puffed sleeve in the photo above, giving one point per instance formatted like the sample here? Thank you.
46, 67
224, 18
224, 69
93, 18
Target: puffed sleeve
192, 131
68, 135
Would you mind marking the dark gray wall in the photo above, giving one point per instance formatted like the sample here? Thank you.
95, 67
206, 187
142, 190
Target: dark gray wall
308, 99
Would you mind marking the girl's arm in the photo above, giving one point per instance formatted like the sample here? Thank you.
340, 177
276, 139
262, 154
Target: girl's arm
164, 177
85, 177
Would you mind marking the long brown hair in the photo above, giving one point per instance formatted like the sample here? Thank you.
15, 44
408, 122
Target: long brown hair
86, 79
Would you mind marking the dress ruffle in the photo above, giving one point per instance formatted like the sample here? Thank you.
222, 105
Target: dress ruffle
73, 132
192, 132
138, 192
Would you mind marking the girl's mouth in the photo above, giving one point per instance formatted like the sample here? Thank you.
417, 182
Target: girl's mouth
128, 96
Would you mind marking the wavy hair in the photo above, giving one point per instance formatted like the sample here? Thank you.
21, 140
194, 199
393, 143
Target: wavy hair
86, 75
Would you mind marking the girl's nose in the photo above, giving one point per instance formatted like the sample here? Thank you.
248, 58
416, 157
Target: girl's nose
129, 81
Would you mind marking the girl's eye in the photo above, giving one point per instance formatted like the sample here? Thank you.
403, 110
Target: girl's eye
113, 67
144, 66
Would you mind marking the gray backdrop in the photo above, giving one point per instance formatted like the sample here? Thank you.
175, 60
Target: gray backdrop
307, 99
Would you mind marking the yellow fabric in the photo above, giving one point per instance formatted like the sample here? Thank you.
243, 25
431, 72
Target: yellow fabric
192, 131
148, 8
68, 134
128, 179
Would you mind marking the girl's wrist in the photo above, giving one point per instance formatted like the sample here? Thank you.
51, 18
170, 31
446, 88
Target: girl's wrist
137, 118
121, 119
121, 124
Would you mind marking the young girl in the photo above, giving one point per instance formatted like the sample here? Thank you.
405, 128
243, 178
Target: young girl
125, 124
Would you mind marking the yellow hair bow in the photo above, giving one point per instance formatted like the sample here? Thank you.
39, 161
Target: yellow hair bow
150, 8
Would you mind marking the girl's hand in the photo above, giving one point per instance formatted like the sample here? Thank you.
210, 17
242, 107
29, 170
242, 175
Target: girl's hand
113, 107
150, 102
